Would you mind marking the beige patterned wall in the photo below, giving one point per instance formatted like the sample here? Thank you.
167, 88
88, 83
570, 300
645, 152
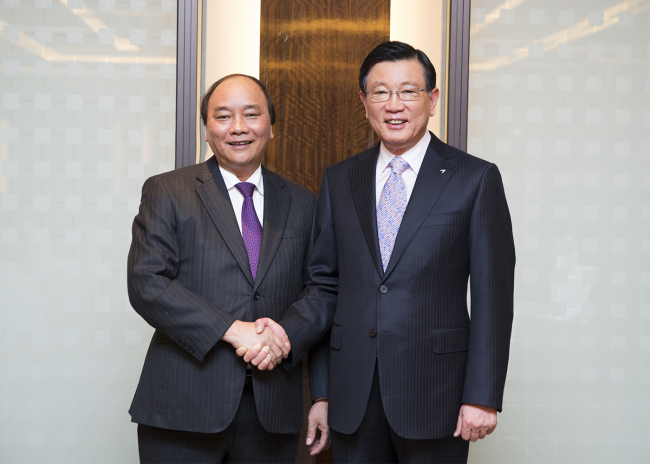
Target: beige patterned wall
88, 112
558, 99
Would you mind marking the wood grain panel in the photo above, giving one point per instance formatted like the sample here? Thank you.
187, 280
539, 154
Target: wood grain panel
310, 54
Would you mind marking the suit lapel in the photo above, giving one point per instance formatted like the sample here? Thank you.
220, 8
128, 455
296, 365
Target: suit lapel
276, 211
362, 186
215, 198
430, 183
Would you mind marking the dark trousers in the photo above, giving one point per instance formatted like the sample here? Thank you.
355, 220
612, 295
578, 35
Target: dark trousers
375, 441
243, 441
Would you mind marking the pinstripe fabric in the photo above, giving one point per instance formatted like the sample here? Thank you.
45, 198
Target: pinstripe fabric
374, 441
431, 357
243, 441
189, 278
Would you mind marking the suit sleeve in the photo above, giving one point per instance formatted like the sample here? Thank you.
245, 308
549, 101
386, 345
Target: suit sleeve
492, 264
309, 320
318, 358
154, 261
318, 361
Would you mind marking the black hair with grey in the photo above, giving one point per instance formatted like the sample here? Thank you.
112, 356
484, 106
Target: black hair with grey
397, 51
210, 91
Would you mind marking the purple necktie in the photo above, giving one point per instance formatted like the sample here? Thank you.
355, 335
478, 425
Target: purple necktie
250, 225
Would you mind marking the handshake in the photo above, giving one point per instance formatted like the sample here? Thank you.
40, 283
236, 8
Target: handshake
263, 343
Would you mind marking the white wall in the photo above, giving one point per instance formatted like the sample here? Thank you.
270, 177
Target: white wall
231, 38
88, 111
558, 99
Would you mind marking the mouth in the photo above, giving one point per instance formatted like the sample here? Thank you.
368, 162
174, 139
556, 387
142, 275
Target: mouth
240, 143
395, 122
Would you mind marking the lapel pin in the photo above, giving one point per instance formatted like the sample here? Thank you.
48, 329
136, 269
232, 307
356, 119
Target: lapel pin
443, 170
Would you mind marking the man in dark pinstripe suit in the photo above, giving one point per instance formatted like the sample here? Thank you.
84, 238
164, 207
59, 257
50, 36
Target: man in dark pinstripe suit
400, 228
216, 246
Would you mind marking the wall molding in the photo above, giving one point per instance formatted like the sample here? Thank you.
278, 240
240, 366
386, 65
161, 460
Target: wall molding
187, 71
458, 73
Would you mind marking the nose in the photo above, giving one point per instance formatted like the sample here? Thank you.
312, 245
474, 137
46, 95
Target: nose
238, 125
394, 103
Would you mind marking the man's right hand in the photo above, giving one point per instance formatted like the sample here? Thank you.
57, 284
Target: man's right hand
245, 337
256, 355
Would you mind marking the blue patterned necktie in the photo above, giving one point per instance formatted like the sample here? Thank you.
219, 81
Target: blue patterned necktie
390, 211
250, 226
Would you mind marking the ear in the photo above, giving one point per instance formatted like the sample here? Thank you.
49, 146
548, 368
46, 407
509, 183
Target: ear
271, 136
363, 100
435, 95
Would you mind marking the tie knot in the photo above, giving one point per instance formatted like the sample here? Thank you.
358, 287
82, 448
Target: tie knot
246, 189
398, 165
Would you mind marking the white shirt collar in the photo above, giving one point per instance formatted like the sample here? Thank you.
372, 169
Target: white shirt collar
413, 156
231, 180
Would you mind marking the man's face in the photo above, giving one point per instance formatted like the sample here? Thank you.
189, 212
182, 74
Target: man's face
239, 126
399, 124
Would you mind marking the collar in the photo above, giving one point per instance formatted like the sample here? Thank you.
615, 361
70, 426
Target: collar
413, 156
231, 180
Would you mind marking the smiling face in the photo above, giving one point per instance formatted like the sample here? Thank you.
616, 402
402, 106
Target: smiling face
399, 124
238, 126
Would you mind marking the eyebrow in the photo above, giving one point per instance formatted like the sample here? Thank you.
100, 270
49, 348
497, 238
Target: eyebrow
246, 107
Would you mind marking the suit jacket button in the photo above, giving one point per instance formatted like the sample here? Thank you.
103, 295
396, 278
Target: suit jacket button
383, 289
257, 296
373, 333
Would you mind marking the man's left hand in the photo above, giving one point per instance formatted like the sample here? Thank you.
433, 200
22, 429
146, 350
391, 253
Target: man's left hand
317, 420
475, 422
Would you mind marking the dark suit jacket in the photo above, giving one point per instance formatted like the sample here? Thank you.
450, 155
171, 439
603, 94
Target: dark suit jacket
189, 278
412, 320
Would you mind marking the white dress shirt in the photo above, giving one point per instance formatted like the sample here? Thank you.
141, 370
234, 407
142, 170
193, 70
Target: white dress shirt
413, 157
237, 198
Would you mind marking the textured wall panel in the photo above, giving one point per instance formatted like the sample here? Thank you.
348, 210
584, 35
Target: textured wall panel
558, 98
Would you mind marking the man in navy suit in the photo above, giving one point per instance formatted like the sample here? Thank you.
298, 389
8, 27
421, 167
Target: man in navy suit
216, 246
400, 229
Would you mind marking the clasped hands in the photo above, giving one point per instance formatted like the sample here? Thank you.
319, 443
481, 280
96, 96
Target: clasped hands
262, 343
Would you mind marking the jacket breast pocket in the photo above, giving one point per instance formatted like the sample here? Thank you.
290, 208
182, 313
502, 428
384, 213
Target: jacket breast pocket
436, 219
335, 339
450, 340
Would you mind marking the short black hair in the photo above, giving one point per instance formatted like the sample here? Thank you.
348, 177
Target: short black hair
397, 51
210, 91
